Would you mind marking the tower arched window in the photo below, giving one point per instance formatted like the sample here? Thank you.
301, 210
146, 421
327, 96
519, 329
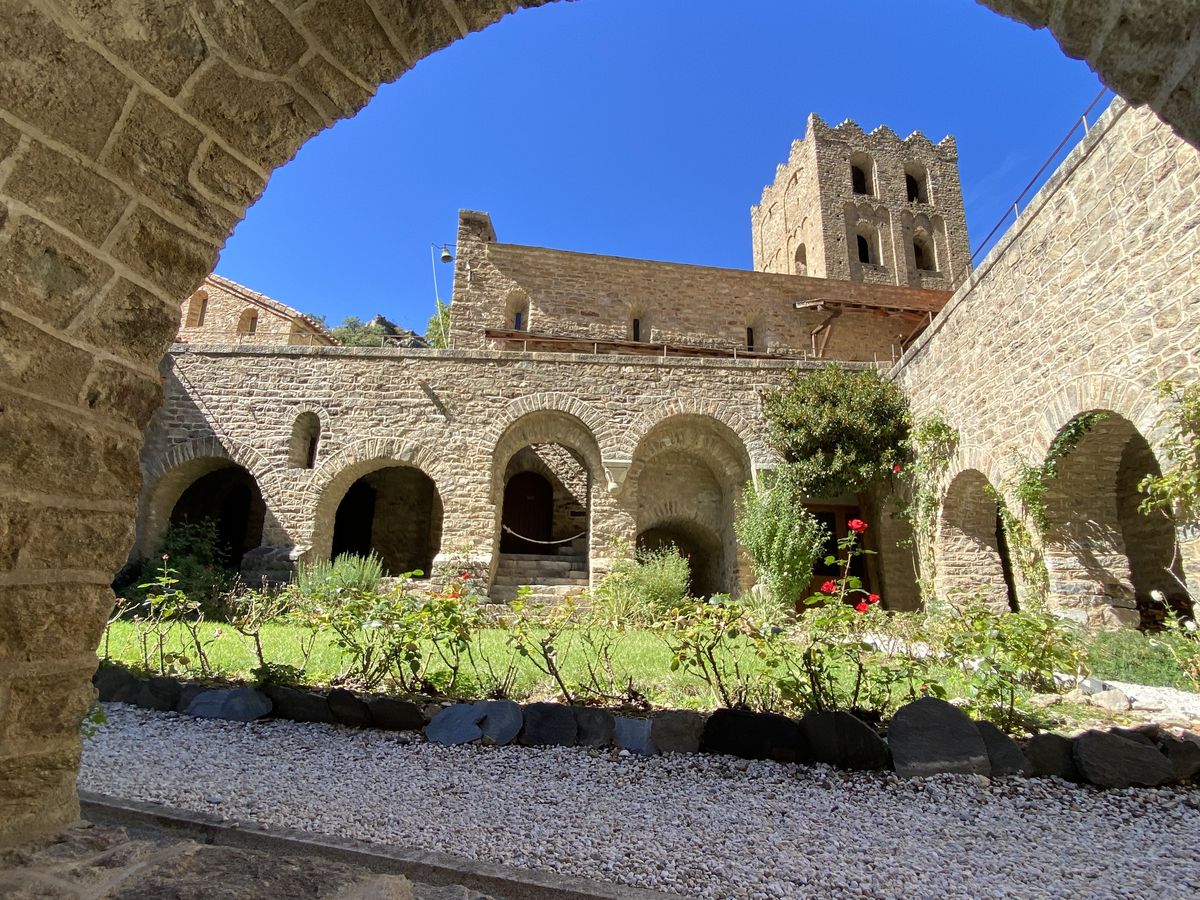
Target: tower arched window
916, 183
862, 174
248, 323
801, 260
306, 435
923, 254
864, 249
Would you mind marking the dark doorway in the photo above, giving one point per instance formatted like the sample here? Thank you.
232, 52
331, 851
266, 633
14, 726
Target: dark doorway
528, 514
700, 547
230, 498
394, 512
352, 525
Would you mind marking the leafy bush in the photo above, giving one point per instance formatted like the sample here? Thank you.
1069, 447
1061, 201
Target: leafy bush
841, 429
348, 572
641, 588
1002, 659
700, 635
783, 539
1178, 488
199, 562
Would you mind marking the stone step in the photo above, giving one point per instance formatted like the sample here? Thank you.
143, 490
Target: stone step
551, 581
540, 568
535, 557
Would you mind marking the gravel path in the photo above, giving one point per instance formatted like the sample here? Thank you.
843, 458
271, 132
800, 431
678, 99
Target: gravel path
1171, 701
702, 826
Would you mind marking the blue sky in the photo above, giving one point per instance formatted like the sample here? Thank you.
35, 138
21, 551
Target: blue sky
641, 128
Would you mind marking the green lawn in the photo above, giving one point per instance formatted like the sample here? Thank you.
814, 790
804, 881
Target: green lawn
640, 655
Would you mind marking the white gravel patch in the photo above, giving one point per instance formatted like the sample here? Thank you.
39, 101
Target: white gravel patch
1169, 700
702, 826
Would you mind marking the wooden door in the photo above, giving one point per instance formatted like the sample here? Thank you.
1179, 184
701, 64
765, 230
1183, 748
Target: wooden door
528, 513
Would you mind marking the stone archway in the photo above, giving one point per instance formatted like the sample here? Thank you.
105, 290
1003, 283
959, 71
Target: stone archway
1105, 557
133, 138
971, 556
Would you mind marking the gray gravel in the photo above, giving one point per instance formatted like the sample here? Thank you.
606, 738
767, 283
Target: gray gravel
696, 825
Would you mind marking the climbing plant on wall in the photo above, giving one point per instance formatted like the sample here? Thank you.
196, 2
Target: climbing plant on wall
840, 430
1024, 551
933, 441
1177, 490
1032, 481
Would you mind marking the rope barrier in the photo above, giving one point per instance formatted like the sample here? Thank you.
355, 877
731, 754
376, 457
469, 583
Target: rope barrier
547, 543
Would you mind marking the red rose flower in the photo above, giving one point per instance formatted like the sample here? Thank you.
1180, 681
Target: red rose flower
872, 598
861, 606
464, 576
858, 526
896, 468
829, 587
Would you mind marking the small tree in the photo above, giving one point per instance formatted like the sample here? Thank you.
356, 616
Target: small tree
354, 332
437, 332
840, 429
783, 538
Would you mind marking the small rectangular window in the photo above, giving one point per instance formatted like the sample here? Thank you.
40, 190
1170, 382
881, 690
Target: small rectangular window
750, 339
637, 329
518, 321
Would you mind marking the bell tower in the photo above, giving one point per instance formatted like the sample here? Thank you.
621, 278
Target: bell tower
870, 207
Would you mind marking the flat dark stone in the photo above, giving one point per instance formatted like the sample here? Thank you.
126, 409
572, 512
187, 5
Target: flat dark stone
1111, 761
549, 725
116, 684
1051, 755
840, 739
502, 721
348, 709
751, 735
392, 714
237, 705
677, 731
633, 735
158, 693
1184, 757
188, 693
1003, 753
1146, 735
458, 724
595, 726
931, 737
299, 706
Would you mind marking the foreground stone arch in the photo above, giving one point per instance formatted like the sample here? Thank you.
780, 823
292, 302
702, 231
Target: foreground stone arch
133, 137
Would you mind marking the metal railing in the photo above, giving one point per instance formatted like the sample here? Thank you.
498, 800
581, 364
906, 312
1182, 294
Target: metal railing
1014, 209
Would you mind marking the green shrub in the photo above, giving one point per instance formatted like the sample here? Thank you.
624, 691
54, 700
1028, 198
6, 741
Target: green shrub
783, 539
199, 561
642, 588
841, 429
1004, 658
347, 572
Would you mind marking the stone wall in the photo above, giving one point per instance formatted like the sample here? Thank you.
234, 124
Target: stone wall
598, 297
1089, 300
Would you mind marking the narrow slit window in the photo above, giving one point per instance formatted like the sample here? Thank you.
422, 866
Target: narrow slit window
519, 321
750, 339
864, 250
637, 329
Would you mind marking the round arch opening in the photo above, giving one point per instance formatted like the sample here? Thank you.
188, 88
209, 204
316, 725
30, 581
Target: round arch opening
395, 512
230, 498
1108, 560
700, 546
970, 549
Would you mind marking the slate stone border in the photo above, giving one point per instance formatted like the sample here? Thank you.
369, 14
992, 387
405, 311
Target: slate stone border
927, 737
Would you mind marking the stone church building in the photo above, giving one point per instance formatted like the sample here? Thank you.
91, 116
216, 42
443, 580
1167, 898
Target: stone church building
587, 403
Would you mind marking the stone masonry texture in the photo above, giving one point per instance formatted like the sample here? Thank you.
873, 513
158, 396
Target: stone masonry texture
134, 135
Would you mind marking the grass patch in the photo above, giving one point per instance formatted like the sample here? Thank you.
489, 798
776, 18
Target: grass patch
1137, 657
